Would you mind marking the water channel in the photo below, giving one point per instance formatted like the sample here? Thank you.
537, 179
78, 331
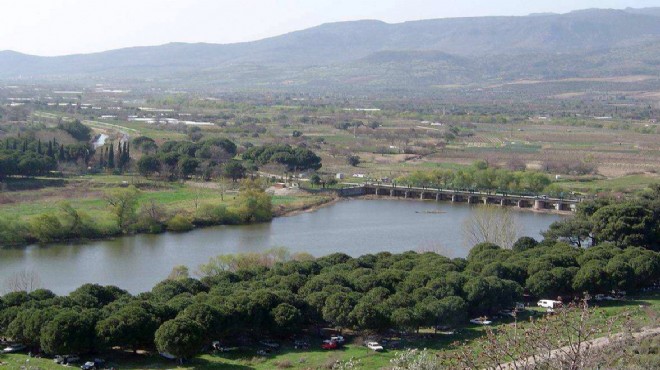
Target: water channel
354, 227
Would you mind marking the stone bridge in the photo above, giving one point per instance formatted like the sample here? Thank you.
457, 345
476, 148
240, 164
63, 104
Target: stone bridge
466, 196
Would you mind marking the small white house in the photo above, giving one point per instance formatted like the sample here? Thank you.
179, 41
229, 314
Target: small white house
339, 176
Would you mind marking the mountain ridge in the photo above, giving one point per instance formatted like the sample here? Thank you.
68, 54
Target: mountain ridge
475, 46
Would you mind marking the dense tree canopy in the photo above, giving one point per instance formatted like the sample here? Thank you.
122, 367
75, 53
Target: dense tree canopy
630, 222
295, 159
182, 159
76, 129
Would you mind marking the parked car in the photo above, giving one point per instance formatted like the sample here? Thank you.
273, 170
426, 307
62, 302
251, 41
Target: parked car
168, 356
338, 338
374, 346
300, 344
507, 313
217, 346
392, 343
603, 297
270, 344
481, 321
93, 365
329, 344
548, 303
13, 348
66, 359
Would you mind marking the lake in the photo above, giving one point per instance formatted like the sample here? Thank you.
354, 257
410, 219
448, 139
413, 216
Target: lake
355, 227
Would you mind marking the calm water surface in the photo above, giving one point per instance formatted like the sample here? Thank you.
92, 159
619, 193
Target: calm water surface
354, 227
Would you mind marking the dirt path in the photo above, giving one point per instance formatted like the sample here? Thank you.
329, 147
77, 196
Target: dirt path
593, 344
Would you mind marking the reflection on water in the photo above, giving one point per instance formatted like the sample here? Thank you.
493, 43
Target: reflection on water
354, 227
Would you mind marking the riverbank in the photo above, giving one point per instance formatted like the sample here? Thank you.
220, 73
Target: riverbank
310, 207
79, 210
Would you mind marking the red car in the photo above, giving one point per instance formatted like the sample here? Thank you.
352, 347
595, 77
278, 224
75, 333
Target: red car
329, 344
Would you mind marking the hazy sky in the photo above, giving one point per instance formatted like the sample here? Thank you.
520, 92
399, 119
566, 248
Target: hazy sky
56, 27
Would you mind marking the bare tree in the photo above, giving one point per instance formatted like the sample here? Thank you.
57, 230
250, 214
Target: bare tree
575, 337
197, 198
179, 272
23, 281
493, 224
223, 187
153, 211
564, 340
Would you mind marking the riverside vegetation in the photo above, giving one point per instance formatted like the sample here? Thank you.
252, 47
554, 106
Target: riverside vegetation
243, 298
128, 212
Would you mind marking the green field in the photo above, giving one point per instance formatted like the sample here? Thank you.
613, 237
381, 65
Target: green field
623, 184
87, 196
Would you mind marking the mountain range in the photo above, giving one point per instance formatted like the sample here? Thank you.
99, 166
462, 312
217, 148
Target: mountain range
369, 53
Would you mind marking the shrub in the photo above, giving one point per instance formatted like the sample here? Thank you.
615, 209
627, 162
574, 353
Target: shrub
46, 228
283, 364
150, 226
12, 231
179, 223
212, 214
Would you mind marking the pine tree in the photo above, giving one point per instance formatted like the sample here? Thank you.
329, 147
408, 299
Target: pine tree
39, 147
61, 157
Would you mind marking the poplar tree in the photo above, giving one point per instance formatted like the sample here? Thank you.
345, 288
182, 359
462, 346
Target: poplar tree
49, 151
111, 157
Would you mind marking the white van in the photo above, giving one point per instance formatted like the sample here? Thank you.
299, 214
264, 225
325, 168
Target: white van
548, 303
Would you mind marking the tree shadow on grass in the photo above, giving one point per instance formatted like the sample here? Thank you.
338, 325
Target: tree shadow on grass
32, 183
205, 363
445, 342
632, 303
